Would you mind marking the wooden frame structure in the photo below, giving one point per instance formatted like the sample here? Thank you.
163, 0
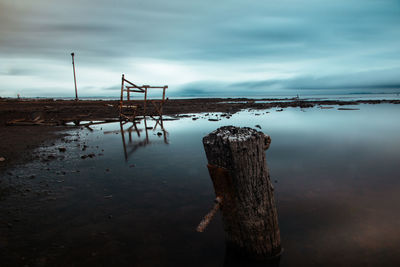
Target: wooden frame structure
128, 109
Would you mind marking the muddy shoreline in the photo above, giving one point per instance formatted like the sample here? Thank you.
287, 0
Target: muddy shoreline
17, 142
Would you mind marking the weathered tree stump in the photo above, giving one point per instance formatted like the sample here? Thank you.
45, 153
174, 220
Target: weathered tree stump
238, 169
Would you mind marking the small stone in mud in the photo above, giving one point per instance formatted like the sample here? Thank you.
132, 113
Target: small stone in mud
91, 155
159, 133
83, 156
32, 176
258, 126
107, 170
213, 119
62, 149
110, 216
194, 119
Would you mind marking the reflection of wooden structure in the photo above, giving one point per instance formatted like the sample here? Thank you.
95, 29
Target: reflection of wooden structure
129, 109
131, 146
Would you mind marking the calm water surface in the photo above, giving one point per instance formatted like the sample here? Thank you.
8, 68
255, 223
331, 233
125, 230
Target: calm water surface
335, 172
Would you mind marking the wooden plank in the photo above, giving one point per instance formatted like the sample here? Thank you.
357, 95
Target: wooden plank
131, 83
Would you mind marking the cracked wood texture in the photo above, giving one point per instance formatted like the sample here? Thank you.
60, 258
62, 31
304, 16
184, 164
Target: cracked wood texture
238, 169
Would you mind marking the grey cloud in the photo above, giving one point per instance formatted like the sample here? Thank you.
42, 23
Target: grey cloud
359, 35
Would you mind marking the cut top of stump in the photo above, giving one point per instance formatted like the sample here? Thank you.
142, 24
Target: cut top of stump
232, 134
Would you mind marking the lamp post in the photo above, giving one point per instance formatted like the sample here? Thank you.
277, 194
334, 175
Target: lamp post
73, 66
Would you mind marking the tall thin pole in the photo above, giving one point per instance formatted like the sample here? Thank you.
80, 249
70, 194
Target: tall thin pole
73, 66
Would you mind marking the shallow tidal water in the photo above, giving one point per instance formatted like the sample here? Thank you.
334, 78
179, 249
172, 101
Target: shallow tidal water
335, 172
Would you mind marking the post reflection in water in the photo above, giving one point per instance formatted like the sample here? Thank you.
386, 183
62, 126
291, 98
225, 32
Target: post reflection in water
235, 257
132, 145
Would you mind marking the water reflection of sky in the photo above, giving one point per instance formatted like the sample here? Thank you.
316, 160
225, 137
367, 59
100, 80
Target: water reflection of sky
336, 183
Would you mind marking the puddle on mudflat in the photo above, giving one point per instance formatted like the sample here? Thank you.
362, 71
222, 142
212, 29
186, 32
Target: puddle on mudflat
135, 199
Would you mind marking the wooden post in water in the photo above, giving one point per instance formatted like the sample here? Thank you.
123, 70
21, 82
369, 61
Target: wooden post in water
238, 168
122, 95
73, 66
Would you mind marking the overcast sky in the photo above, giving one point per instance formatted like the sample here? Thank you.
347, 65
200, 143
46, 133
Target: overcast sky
208, 47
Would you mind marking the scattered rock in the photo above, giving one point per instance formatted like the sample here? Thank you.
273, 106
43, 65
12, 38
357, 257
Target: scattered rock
213, 119
62, 149
258, 126
279, 110
91, 155
51, 156
159, 133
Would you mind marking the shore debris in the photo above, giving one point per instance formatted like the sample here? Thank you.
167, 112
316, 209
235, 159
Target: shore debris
348, 109
34, 122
